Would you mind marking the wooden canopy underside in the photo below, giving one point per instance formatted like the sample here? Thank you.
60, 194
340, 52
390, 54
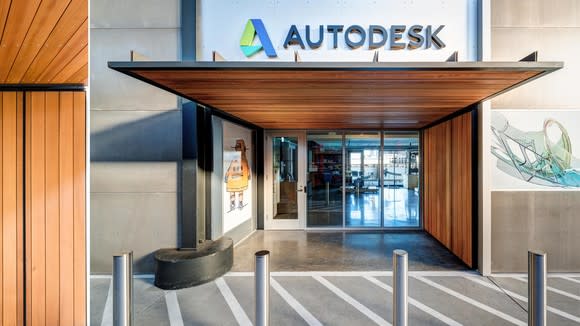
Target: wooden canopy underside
337, 95
43, 42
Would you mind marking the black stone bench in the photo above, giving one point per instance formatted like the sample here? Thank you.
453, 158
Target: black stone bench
179, 268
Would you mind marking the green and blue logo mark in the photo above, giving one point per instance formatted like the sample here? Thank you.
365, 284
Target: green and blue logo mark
256, 27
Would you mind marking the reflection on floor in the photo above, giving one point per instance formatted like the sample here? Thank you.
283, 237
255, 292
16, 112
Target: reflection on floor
400, 205
343, 251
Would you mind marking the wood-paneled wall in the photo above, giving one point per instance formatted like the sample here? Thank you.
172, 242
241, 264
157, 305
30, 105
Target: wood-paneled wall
43, 208
11, 209
55, 208
447, 194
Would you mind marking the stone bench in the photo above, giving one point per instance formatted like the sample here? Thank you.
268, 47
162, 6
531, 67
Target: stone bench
179, 268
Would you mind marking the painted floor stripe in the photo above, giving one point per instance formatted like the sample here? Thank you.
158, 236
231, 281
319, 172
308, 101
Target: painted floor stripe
359, 306
135, 276
525, 275
107, 319
361, 273
367, 273
305, 314
173, 309
416, 303
570, 279
233, 303
472, 301
524, 299
553, 289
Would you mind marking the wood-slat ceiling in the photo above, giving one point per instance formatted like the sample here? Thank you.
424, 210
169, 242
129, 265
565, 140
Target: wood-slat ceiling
43, 41
309, 97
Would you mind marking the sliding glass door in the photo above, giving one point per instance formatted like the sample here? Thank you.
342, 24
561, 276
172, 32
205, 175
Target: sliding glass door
362, 180
325, 178
401, 180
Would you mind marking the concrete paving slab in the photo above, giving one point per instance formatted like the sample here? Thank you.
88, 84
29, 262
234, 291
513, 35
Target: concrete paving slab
565, 285
204, 305
553, 300
280, 312
149, 304
323, 303
353, 298
487, 296
379, 300
99, 291
449, 305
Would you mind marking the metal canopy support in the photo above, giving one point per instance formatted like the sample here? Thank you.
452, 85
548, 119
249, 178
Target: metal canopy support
188, 37
532, 57
217, 57
453, 57
136, 56
297, 57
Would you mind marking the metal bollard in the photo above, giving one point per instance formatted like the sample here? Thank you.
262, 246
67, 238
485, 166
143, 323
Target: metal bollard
123, 289
262, 288
537, 273
400, 288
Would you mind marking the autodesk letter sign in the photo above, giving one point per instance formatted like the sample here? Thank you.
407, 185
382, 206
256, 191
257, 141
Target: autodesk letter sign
374, 36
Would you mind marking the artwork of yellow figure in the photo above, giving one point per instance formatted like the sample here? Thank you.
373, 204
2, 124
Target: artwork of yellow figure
237, 176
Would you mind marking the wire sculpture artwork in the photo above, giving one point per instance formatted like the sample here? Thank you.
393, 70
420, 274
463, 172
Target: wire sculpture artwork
541, 157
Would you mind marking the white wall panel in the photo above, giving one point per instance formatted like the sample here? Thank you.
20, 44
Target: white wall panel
221, 24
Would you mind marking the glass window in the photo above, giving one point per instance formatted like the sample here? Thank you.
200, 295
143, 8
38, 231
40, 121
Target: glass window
285, 169
324, 183
362, 180
401, 180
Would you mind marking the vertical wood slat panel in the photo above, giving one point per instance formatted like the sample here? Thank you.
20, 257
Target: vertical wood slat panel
66, 175
448, 186
37, 216
27, 207
79, 209
11, 183
20, 211
55, 208
52, 207
462, 213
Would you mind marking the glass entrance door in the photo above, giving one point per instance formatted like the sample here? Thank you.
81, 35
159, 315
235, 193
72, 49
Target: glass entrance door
342, 179
285, 180
401, 180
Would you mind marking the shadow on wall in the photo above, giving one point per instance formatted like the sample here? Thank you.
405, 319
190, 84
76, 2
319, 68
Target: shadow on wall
137, 210
155, 138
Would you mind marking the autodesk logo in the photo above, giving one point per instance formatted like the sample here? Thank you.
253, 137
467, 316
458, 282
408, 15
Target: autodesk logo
253, 27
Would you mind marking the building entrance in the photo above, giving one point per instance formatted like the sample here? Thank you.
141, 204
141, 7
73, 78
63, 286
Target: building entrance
285, 180
336, 180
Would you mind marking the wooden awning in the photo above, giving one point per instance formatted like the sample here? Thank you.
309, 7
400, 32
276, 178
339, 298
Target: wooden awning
337, 95
44, 42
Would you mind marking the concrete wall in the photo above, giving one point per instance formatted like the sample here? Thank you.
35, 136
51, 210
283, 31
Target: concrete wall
537, 219
545, 220
135, 134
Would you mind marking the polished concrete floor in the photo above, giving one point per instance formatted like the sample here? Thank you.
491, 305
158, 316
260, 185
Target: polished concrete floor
363, 209
343, 251
334, 298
